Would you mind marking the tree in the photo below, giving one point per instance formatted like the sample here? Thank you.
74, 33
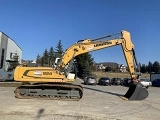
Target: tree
108, 69
45, 56
59, 49
150, 67
86, 70
51, 56
85, 64
38, 59
143, 68
156, 67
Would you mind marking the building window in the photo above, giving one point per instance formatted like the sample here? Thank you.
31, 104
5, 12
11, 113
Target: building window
11, 55
2, 58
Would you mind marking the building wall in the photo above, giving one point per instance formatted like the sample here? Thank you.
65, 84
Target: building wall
3, 49
9, 47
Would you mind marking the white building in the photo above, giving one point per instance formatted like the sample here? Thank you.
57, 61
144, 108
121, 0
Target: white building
122, 68
8, 48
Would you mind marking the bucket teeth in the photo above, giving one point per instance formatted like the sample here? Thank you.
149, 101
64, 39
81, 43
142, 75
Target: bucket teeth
124, 98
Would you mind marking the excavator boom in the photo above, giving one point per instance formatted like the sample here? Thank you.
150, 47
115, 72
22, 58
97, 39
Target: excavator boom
53, 83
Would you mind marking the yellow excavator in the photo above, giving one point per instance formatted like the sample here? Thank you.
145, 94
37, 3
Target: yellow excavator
57, 83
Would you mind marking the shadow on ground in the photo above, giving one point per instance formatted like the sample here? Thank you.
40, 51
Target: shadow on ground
111, 93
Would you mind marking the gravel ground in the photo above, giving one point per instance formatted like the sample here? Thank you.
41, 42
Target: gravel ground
98, 103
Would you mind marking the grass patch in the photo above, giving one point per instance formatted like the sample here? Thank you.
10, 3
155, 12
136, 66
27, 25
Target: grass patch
99, 74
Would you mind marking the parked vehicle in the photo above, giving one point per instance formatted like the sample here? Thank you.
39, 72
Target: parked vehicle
156, 83
104, 81
126, 81
90, 80
154, 76
116, 81
145, 82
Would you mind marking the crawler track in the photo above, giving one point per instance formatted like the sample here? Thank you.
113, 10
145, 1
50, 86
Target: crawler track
52, 91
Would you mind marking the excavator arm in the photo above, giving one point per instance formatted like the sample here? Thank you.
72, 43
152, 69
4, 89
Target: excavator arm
88, 45
53, 83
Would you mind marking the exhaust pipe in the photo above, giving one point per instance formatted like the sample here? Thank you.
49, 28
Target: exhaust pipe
135, 92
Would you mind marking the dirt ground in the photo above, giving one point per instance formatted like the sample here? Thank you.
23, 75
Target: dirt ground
98, 103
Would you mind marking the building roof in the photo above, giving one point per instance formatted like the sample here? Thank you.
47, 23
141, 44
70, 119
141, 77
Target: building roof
11, 39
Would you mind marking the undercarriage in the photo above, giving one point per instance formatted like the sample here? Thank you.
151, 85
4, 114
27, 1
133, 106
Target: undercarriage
59, 91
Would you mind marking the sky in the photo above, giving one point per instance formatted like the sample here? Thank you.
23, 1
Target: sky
36, 25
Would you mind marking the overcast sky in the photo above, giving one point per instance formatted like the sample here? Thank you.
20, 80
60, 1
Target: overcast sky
39, 24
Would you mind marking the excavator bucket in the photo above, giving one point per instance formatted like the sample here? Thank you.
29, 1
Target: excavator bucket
135, 92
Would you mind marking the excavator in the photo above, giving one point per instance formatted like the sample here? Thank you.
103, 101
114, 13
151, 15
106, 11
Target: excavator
57, 83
